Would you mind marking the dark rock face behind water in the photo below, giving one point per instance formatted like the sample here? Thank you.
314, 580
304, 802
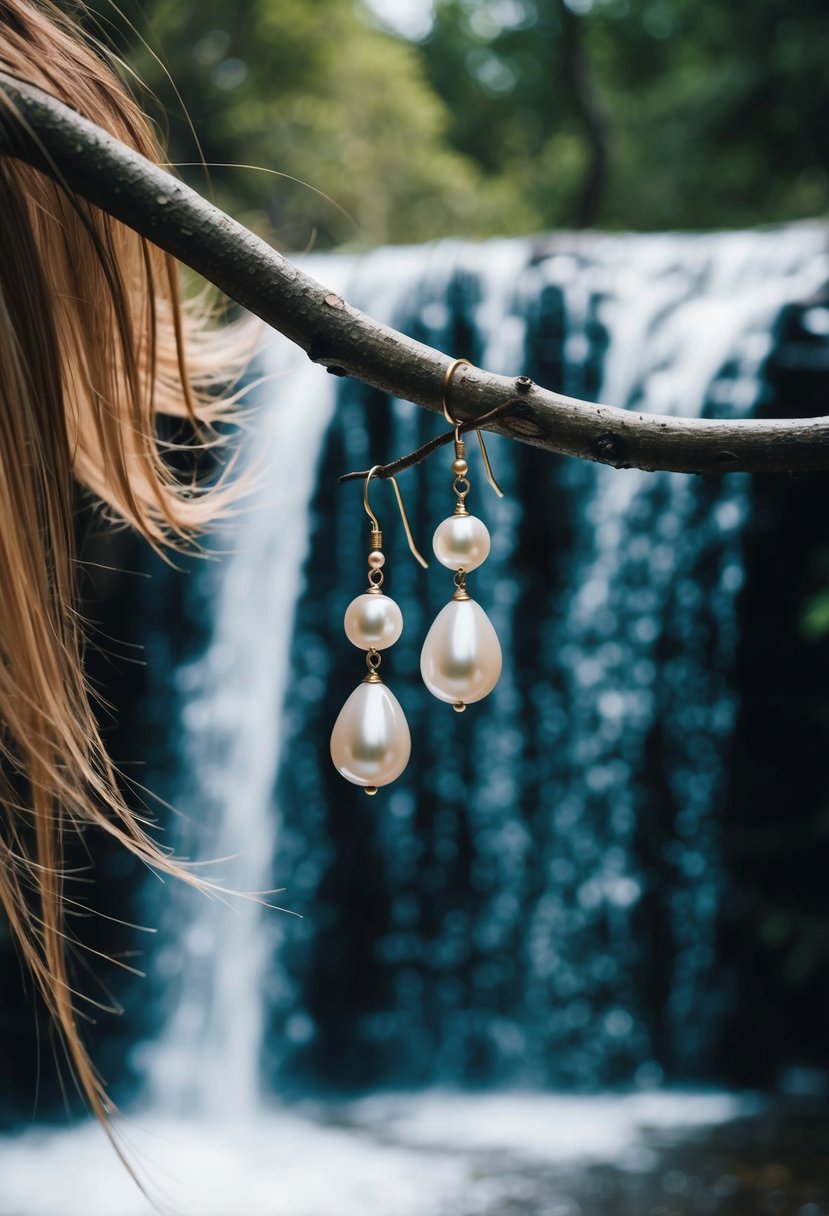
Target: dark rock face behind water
611, 871
774, 930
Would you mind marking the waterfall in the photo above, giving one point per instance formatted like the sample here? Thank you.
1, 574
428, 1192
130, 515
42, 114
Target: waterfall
231, 724
536, 899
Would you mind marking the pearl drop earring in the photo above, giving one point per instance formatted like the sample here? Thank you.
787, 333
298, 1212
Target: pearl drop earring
461, 657
370, 742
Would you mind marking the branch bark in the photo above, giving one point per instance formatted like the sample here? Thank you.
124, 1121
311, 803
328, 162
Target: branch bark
40, 130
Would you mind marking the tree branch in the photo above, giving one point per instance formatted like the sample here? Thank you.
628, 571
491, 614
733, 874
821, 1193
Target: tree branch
36, 128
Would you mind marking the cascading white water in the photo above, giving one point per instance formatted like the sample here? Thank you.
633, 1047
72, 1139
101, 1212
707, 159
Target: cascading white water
688, 323
614, 594
217, 970
207, 1060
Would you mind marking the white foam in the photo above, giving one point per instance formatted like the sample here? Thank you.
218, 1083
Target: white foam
426, 1154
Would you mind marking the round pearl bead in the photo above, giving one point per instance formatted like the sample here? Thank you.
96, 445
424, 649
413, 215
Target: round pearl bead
373, 621
461, 657
461, 542
370, 742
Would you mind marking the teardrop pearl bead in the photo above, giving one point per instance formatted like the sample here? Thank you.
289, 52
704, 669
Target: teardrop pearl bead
461, 657
370, 742
461, 542
373, 621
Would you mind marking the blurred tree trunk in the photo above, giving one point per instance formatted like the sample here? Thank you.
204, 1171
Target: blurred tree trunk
591, 113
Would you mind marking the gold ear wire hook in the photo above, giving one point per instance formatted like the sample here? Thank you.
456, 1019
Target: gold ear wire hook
376, 534
447, 381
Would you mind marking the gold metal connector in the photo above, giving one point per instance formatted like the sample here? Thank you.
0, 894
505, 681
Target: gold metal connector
461, 592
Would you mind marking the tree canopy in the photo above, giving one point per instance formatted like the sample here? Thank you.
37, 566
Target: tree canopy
502, 116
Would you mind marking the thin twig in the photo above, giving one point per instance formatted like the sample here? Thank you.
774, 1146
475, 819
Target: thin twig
405, 462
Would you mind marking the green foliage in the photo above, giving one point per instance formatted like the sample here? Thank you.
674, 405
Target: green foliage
727, 127
814, 622
711, 115
315, 92
715, 113
498, 68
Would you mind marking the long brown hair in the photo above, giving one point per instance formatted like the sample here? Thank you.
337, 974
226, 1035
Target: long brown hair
96, 342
